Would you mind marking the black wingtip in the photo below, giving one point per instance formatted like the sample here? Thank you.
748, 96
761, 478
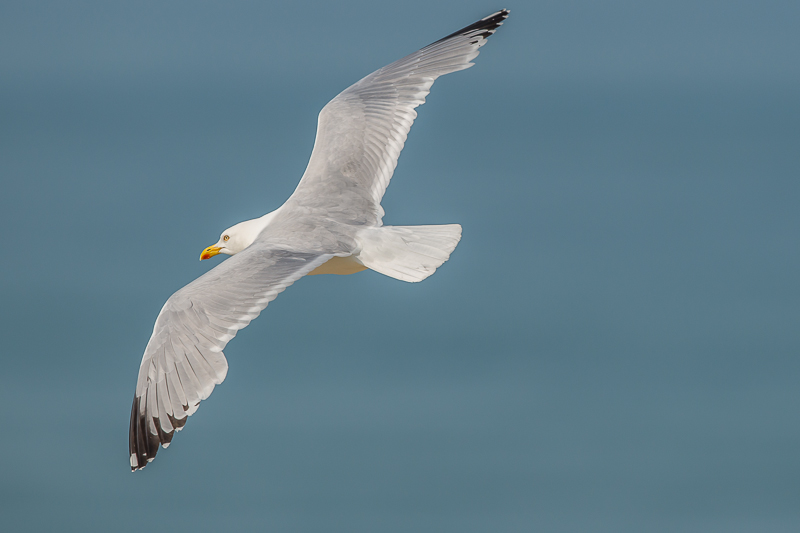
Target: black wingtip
135, 446
483, 28
142, 445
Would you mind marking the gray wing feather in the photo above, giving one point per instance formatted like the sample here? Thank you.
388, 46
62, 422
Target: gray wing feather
183, 360
361, 132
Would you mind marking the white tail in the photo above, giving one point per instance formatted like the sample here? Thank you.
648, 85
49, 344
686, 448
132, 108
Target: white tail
407, 253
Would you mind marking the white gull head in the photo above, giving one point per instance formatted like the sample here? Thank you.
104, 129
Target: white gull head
238, 237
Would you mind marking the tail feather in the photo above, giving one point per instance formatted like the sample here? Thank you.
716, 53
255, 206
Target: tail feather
407, 253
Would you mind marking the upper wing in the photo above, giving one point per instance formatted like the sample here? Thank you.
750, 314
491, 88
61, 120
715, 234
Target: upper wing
183, 359
361, 132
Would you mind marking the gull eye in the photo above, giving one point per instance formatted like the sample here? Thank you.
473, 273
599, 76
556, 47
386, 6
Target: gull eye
225, 237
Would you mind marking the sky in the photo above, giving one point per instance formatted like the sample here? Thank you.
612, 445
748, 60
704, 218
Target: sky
613, 346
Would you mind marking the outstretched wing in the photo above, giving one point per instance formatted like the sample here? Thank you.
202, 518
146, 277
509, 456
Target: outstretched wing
183, 360
361, 132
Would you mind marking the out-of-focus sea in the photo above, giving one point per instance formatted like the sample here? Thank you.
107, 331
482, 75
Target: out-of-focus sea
613, 346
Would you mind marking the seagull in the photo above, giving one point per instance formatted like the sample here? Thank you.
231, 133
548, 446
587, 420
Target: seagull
331, 224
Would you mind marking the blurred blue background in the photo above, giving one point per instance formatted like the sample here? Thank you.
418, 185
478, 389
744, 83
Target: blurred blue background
612, 347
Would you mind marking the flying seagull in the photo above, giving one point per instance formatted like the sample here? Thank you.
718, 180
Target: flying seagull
331, 224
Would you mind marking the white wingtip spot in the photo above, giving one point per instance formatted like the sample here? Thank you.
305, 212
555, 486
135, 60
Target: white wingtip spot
134, 462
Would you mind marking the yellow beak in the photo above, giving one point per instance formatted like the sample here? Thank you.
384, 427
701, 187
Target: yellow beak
209, 252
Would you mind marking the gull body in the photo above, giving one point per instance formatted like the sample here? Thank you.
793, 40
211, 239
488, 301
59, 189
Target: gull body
331, 224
